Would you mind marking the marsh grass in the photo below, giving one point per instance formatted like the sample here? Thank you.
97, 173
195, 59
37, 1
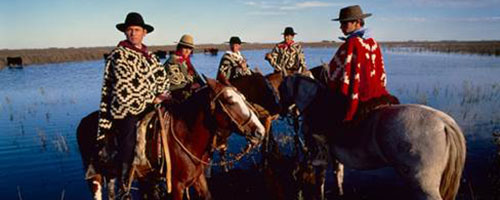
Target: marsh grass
42, 139
58, 55
60, 143
491, 48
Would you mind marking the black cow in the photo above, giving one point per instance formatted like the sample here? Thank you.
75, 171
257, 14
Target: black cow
14, 62
161, 54
211, 51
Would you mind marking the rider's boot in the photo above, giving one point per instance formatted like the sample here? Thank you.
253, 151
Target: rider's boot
123, 189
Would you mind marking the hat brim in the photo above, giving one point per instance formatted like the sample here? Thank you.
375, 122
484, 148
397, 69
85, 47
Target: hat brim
122, 27
289, 33
186, 45
353, 18
228, 42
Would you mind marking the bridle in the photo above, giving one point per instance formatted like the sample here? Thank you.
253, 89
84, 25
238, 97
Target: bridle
241, 126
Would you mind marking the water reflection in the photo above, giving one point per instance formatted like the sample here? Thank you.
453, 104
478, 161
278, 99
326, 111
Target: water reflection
41, 106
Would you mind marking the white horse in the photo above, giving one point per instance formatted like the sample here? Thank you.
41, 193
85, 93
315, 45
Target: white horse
425, 146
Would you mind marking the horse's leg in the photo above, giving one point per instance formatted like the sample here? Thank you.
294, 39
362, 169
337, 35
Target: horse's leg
265, 147
201, 187
339, 173
177, 190
111, 188
150, 188
95, 184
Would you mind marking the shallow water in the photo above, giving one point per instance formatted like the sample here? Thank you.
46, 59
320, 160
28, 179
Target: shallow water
41, 106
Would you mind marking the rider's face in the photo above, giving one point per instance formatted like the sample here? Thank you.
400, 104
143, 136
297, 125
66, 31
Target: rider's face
348, 27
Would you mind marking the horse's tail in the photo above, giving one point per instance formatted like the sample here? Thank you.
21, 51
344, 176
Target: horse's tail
450, 180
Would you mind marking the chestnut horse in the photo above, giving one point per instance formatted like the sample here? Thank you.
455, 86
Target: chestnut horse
193, 126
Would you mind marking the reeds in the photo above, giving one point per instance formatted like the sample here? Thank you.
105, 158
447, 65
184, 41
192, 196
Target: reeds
471, 47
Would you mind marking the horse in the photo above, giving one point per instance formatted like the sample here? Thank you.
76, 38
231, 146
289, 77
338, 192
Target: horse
425, 146
260, 93
191, 131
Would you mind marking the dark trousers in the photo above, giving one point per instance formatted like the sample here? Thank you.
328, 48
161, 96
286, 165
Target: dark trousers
126, 129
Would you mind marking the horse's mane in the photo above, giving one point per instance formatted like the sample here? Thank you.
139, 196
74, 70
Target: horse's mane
312, 97
189, 109
258, 90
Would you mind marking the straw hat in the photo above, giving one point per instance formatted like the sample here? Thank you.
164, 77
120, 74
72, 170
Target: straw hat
134, 19
351, 13
187, 40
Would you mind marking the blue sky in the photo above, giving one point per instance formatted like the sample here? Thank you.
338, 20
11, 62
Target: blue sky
88, 23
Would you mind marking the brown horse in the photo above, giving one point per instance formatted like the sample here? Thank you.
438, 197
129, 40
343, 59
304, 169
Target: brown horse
191, 130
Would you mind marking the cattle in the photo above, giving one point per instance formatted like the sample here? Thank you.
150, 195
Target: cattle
161, 54
211, 51
14, 62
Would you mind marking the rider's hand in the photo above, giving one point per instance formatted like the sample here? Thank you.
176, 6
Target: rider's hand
243, 65
195, 86
162, 97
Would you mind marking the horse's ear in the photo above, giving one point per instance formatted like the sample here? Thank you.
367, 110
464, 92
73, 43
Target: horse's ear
257, 70
212, 83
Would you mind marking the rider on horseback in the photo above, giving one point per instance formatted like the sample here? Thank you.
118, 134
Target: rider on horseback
287, 57
233, 64
133, 77
356, 81
182, 75
356, 73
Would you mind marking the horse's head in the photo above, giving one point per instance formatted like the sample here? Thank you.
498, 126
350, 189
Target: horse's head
231, 109
299, 90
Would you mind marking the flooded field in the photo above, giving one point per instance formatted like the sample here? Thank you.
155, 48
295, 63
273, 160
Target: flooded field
41, 106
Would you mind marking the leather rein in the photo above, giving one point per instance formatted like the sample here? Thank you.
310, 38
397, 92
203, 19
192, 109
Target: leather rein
241, 126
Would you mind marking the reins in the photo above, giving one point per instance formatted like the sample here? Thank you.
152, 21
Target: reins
194, 157
241, 126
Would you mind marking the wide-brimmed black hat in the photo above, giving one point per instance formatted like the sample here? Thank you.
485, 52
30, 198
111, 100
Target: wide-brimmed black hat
351, 13
235, 40
134, 19
289, 31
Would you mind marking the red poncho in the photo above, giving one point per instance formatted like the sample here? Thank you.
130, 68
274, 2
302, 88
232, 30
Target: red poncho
357, 72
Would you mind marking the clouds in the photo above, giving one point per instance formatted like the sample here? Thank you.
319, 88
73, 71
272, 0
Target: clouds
281, 8
450, 3
307, 4
443, 19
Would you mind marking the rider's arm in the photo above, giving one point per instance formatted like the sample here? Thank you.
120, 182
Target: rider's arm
301, 60
351, 78
224, 69
273, 58
109, 82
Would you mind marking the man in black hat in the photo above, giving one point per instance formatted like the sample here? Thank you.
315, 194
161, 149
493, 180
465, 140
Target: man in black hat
233, 64
133, 77
287, 57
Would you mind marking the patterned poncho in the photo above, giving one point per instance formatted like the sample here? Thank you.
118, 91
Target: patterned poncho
357, 72
132, 79
181, 75
230, 67
289, 57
